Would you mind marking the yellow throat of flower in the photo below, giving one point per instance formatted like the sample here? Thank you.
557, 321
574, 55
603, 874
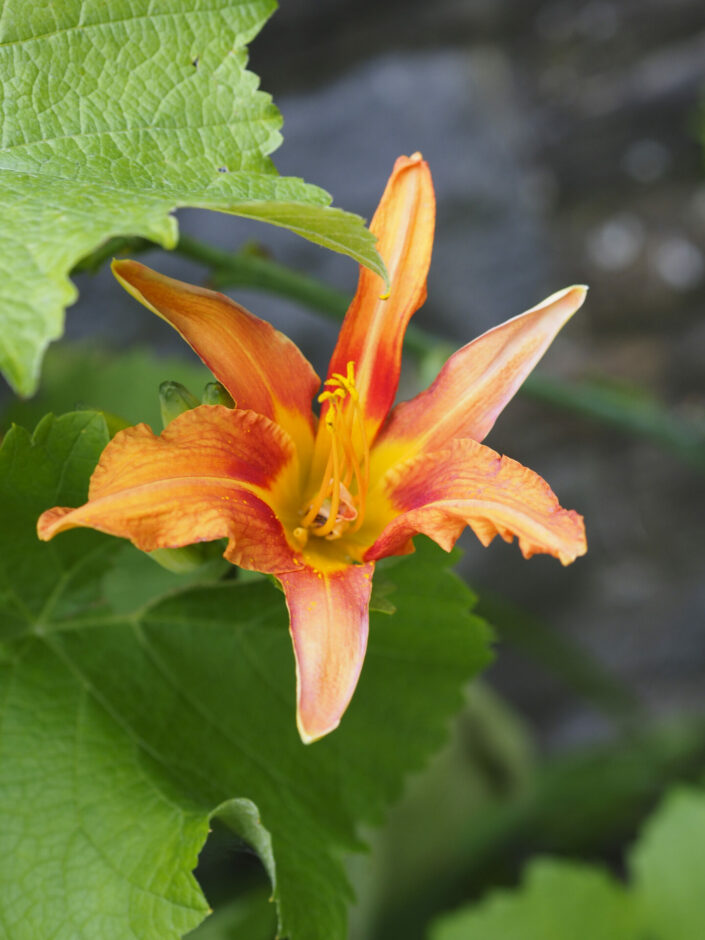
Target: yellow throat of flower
338, 506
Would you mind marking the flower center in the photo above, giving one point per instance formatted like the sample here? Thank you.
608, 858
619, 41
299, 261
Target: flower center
339, 504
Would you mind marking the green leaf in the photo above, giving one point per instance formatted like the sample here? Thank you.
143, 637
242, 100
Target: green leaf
126, 729
248, 918
668, 864
135, 580
557, 901
114, 115
566, 901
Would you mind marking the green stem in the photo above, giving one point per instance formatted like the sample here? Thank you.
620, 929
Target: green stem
625, 410
635, 415
247, 269
93, 262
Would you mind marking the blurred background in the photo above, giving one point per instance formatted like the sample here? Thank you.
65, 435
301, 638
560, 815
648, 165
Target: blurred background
566, 144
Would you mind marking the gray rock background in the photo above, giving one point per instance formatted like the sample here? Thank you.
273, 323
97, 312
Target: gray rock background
563, 139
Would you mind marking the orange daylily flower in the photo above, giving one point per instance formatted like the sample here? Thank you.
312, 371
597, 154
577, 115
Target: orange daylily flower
316, 501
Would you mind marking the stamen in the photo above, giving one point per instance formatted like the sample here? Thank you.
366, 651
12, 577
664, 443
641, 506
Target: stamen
320, 496
335, 509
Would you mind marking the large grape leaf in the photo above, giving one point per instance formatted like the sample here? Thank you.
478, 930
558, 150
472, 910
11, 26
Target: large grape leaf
125, 729
113, 115
246, 918
558, 901
668, 864
561, 900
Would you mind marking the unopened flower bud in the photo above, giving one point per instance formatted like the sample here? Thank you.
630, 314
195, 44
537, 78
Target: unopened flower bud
216, 394
174, 400
183, 560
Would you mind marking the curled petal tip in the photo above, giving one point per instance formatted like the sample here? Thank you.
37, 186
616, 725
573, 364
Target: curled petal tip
576, 292
311, 734
121, 267
562, 305
579, 547
49, 523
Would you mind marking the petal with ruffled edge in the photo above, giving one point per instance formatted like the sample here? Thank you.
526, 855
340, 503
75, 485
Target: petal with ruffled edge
372, 333
261, 368
213, 473
329, 613
469, 484
476, 382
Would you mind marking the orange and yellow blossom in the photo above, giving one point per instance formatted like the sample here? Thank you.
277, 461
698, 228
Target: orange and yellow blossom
316, 501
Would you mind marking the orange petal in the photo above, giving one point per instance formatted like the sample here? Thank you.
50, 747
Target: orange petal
260, 367
373, 330
477, 381
329, 614
213, 473
468, 484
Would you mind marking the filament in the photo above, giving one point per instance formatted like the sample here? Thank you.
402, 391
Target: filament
339, 503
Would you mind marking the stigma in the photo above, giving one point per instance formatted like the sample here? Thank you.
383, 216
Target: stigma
338, 506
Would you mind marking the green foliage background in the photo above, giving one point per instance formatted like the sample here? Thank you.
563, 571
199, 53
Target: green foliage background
560, 900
